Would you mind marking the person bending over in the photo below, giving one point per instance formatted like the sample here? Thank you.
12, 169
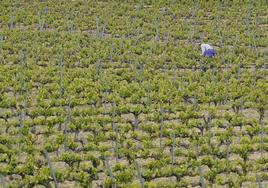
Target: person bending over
207, 50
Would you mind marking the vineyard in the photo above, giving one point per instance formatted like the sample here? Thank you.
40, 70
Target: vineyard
116, 94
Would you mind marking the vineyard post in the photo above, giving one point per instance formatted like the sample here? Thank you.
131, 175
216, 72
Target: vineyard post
242, 104
166, 37
1, 47
65, 133
116, 142
127, 26
156, 30
113, 118
110, 172
136, 121
221, 41
218, 11
172, 149
195, 102
241, 109
264, 59
115, 129
21, 71
174, 76
256, 23
219, 31
254, 75
103, 30
137, 36
247, 20
183, 22
1, 44
196, 147
21, 106
25, 100
161, 126
134, 19
26, 57
69, 24
11, 21
259, 182
212, 72
239, 72
3, 181
101, 83
66, 120
209, 130
52, 172
226, 85
142, 4
61, 62
45, 10
121, 47
135, 72
112, 52
255, 46
227, 155
148, 93
97, 25
97, 67
139, 174
76, 135
191, 25
201, 177
106, 84
215, 24
41, 23
262, 136
191, 31
20, 140
234, 45
141, 68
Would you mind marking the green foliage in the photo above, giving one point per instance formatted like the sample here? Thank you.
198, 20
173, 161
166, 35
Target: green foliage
63, 66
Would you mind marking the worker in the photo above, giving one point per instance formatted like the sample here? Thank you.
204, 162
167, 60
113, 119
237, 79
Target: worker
207, 50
